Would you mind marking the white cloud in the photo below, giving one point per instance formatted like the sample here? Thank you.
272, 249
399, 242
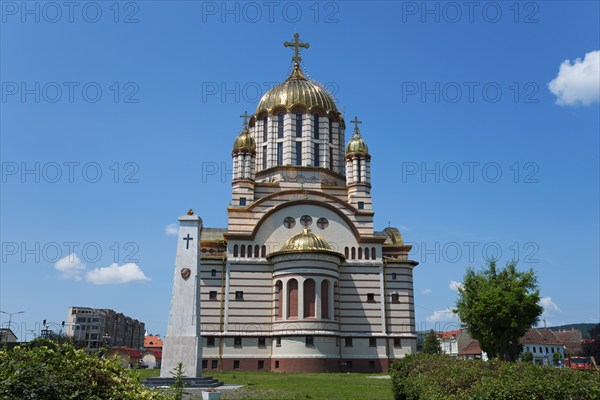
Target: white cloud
455, 286
70, 267
426, 291
441, 315
116, 274
549, 305
171, 230
578, 83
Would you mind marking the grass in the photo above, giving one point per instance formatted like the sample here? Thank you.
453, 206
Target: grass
275, 385
287, 386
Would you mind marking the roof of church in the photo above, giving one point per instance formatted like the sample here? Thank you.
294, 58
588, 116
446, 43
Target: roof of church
392, 235
357, 144
213, 234
305, 241
244, 142
297, 90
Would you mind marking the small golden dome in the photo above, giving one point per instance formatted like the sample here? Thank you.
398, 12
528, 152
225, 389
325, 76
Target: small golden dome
305, 241
357, 145
244, 141
394, 236
296, 90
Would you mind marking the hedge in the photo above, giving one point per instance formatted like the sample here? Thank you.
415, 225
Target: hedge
49, 371
435, 377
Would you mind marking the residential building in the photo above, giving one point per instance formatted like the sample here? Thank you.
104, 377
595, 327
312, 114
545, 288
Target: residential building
571, 339
7, 336
542, 344
449, 342
98, 328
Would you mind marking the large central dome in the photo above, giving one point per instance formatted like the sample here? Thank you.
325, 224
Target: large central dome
296, 91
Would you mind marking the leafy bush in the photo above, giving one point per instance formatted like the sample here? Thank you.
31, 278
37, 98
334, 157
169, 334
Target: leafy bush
50, 371
434, 377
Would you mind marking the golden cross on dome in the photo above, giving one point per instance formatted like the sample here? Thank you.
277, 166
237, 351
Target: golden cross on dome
296, 45
355, 121
245, 116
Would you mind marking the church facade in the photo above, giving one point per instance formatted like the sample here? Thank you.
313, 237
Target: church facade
299, 281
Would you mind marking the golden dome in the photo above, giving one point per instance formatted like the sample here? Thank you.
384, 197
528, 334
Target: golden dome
305, 241
357, 144
296, 90
244, 141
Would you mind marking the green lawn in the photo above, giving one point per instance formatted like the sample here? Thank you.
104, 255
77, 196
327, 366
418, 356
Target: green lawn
282, 386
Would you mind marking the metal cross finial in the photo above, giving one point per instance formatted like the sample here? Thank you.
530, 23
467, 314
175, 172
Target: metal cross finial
296, 45
355, 121
245, 116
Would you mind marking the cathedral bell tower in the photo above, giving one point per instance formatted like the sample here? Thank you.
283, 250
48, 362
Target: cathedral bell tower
358, 171
244, 166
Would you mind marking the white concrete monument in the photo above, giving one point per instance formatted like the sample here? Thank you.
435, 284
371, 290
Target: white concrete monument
183, 343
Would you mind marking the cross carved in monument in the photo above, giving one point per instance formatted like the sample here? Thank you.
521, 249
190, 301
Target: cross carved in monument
296, 44
187, 241
246, 117
355, 121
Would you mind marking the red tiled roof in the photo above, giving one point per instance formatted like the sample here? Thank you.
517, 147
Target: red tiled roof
153, 342
472, 349
449, 334
133, 353
571, 339
540, 336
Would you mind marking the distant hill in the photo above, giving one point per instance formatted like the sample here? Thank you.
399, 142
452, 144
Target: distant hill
584, 328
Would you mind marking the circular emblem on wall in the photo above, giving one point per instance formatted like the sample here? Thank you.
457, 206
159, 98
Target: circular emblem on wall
185, 273
289, 222
306, 220
322, 223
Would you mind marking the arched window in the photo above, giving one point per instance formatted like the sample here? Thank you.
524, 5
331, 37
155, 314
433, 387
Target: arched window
316, 126
265, 130
309, 298
367, 253
243, 251
298, 125
256, 251
353, 253
278, 294
325, 299
360, 253
263, 251
292, 303
235, 250
346, 252
280, 125
373, 253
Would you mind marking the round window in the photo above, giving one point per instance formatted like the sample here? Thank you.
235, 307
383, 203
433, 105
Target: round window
322, 223
289, 222
306, 220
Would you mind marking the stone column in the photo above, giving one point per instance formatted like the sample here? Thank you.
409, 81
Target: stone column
183, 343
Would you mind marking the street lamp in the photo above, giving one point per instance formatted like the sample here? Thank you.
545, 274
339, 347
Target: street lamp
10, 314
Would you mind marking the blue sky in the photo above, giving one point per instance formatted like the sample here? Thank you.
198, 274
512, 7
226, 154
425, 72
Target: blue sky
125, 117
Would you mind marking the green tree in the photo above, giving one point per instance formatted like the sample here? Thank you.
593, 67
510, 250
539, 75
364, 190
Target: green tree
432, 343
179, 383
52, 371
556, 357
528, 357
498, 307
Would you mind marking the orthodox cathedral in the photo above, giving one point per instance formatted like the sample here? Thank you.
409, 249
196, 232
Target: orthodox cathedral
299, 281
